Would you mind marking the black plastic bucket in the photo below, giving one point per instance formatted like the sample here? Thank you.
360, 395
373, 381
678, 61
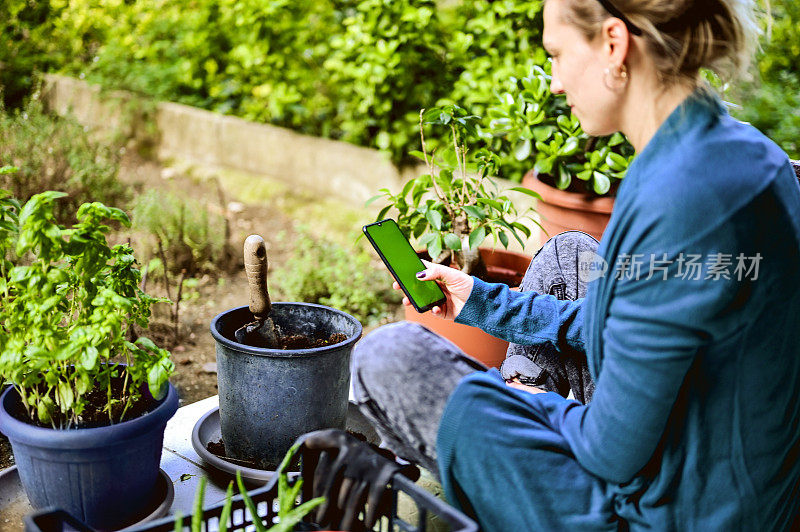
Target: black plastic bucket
269, 397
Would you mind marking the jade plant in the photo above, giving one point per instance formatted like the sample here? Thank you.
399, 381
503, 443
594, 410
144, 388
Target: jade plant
456, 206
68, 302
532, 122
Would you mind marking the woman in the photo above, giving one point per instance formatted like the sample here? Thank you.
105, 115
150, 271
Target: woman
691, 338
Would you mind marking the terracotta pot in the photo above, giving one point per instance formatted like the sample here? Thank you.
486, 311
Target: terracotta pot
562, 210
504, 266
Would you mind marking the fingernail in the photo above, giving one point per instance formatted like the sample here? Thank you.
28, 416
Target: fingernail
421, 274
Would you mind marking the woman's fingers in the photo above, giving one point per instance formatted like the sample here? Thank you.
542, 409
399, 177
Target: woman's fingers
514, 383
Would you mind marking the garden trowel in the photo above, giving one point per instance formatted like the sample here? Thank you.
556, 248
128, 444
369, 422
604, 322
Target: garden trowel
262, 332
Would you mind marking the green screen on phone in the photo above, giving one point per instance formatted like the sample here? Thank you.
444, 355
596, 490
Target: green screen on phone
403, 262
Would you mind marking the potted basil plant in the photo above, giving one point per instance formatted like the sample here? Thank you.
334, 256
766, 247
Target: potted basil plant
452, 210
87, 407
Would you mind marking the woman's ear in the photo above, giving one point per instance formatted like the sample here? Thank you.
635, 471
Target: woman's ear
615, 39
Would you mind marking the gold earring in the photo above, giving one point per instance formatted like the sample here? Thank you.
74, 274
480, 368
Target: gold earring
616, 80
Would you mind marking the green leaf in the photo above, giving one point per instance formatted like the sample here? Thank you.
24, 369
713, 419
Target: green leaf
616, 162
64, 396
477, 236
544, 166
383, 212
373, 199
526, 191
503, 239
492, 203
431, 115
406, 188
542, 133
225, 516
524, 229
426, 239
435, 219
383, 140
435, 247
248, 502
616, 139
601, 183
475, 212
570, 147
522, 150
451, 241
199, 499
564, 178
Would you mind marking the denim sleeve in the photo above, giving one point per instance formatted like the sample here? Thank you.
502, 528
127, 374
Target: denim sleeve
653, 334
525, 318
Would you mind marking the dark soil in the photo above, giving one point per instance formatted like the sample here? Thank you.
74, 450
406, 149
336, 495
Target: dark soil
94, 414
6, 458
217, 448
298, 341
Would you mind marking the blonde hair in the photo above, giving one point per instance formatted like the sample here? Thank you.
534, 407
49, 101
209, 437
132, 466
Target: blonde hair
682, 36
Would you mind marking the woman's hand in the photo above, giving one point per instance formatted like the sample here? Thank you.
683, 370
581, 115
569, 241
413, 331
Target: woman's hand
456, 285
514, 383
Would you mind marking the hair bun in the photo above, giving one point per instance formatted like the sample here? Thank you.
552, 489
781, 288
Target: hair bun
696, 11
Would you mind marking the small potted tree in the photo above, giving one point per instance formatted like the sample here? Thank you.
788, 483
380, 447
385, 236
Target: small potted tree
575, 174
87, 407
452, 210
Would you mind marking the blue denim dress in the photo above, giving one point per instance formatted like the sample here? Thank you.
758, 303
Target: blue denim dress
692, 337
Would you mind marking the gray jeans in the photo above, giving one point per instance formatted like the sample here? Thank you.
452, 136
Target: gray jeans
403, 373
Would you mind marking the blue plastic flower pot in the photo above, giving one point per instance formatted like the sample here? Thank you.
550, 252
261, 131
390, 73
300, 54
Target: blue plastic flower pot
269, 397
102, 475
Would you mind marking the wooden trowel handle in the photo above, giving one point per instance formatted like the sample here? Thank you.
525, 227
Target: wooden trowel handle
255, 264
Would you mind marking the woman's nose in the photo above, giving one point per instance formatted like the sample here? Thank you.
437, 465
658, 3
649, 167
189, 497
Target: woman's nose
555, 85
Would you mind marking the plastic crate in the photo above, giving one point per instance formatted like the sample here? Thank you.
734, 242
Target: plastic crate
360, 484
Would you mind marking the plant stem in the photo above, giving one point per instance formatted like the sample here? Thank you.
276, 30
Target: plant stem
422, 137
176, 321
439, 192
163, 257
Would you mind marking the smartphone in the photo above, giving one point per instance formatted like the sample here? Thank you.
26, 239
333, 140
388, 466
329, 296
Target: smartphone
396, 252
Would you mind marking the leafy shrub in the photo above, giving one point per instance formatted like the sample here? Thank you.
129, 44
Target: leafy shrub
181, 233
357, 70
54, 153
322, 271
490, 42
772, 101
492, 45
389, 62
256, 59
24, 32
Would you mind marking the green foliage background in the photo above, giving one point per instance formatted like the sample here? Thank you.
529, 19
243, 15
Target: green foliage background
771, 102
356, 70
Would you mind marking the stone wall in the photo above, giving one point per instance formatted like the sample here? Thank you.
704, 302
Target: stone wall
195, 137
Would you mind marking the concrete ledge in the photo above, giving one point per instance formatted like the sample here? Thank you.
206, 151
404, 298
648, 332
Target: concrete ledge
204, 138
195, 137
